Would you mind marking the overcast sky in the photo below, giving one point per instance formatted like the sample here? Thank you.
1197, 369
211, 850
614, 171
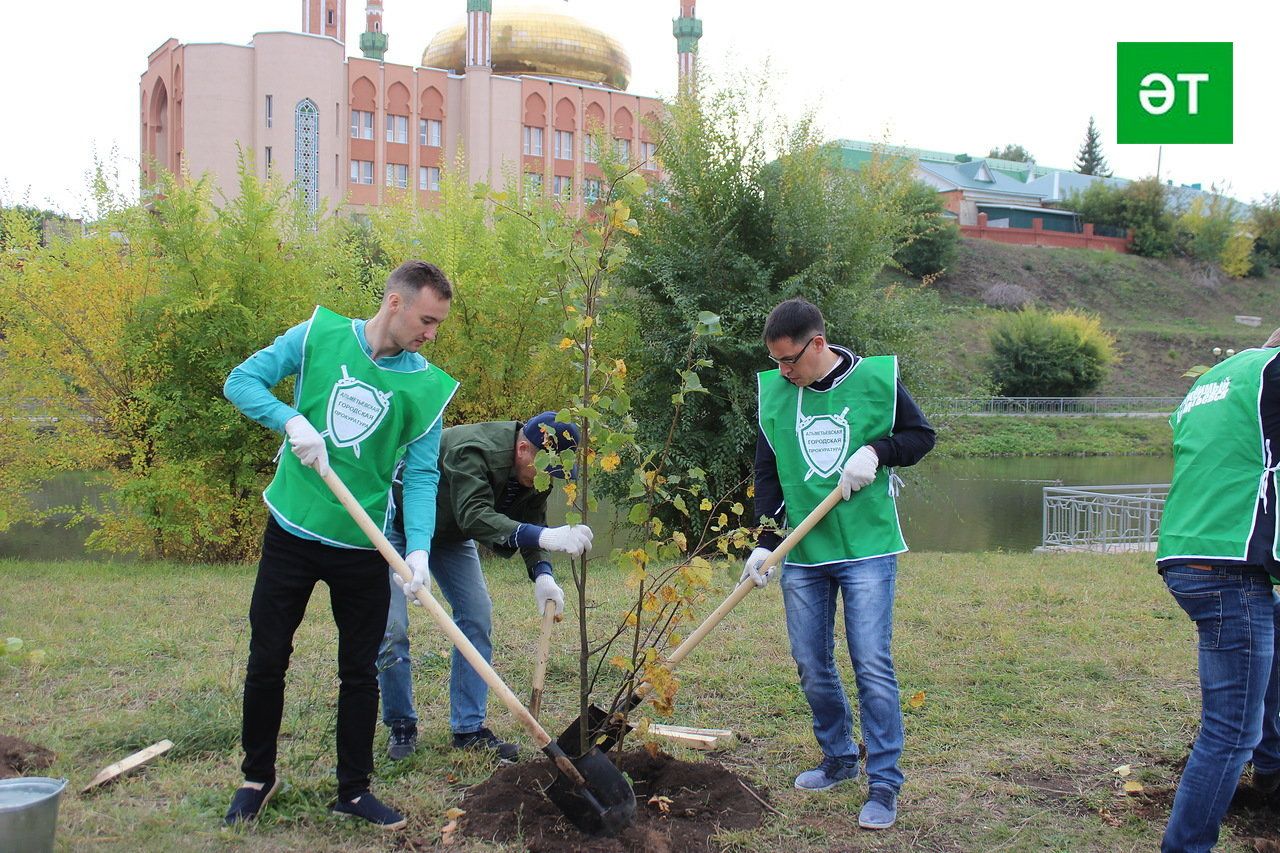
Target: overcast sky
945, 76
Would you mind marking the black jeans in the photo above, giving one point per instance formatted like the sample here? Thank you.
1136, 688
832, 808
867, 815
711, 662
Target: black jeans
359, 597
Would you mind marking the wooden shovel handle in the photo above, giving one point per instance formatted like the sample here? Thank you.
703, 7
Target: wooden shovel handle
743, 589
429, 604
549, 618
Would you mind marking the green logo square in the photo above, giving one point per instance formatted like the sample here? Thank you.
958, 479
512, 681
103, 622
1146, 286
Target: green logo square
1173, 92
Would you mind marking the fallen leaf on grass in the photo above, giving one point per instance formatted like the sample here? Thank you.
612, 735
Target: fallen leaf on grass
454, 813
1108, 818
446, 834
450, 778
652, 748
1132, 787
917, 700
1123, 770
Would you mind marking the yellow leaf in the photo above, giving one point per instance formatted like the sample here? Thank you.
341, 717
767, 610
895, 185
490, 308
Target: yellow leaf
620, 662
570, 492
675, 639
705, 505
620, 367
657, 527
631, 620
736, 509
565, 343
1133, 787
682, 541
453, 813
751, 490
610, 461
724, 520
1123, 770
917, 701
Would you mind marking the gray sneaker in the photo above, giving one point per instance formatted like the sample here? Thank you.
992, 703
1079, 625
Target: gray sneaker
831, 772
881, 809
403, 741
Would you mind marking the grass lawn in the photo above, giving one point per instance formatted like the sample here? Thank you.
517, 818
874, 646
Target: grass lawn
1039, 675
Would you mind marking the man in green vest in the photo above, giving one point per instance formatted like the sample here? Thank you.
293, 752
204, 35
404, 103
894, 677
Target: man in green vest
364, 400
487, 496
1219, 554
828, 418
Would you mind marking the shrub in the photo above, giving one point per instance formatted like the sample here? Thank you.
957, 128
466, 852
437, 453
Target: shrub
1050, 354
1140, 206
932, 239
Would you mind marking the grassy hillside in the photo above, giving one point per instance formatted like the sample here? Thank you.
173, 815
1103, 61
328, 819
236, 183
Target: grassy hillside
1166, 314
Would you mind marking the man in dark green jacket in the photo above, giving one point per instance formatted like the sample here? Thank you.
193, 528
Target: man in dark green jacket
486, 495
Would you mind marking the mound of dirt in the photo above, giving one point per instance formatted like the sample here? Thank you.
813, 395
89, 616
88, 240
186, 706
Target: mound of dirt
680, 805
19, 758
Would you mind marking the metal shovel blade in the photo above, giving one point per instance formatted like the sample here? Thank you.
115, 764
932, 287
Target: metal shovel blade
605, 805
606, 730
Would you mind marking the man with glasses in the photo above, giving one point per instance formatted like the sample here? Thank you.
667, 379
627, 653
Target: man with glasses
828, 418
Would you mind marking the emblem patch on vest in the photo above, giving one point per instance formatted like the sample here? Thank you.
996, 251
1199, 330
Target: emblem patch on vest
824, 442
354, 412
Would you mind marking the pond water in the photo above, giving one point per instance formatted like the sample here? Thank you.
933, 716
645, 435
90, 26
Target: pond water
946, 505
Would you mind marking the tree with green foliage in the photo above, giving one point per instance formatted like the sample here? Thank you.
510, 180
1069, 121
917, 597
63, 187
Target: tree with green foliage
1013, 152
1265, 222
748, 216
1049, 354
1089, 160
933, 238
1139, 206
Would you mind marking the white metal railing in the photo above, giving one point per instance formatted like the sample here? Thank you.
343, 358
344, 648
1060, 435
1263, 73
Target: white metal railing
1103, 518
1049, 405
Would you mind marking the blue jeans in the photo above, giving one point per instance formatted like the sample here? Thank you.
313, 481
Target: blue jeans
809, 595
1236, 614
455, 567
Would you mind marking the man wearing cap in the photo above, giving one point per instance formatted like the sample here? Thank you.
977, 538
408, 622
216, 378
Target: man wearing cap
486, 495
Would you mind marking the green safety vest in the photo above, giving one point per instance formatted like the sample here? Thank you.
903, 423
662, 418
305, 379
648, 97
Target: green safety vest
813, 433
367, 414
1221, 463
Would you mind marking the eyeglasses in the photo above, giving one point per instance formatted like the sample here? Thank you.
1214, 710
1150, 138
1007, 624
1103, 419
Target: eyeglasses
792, 359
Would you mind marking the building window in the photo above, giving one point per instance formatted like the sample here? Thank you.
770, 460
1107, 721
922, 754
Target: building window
268, 161
429, 132
591, 190
362, 172
564, 145
268, 111
306, 152
397, 128
590, 150
429, 178
648, 154
397, 175
532, 184
361, 124
533, 141
562, 186
622, 150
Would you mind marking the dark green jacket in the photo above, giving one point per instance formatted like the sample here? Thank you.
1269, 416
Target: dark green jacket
476, 466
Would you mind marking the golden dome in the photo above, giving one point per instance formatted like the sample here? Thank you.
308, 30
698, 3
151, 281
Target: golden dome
543, 43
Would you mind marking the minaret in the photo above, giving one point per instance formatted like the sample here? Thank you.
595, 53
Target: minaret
373, 41
687, 29
478, 14
477, 96
325, 18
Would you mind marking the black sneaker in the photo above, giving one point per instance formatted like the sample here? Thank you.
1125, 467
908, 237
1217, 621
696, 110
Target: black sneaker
249, 802
367, 807
485, 739
403, 741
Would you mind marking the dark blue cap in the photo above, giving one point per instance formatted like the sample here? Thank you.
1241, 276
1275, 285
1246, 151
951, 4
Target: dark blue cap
546, 433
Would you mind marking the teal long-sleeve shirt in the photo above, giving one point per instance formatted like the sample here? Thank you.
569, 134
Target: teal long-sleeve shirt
249, 390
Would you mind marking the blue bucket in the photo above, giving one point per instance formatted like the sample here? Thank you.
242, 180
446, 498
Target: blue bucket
29, 813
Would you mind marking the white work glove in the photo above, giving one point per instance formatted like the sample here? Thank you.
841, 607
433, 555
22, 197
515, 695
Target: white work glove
572, 539
308, 445
417, 563
858, 471
546, 589
752, 567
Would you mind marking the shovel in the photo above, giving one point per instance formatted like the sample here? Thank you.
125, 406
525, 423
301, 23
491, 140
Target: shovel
549, 618
590, 791
607, 729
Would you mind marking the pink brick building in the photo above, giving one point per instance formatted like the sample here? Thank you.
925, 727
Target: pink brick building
514, 94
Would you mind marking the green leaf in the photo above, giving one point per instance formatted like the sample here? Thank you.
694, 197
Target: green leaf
13, 645
708, 323
679, 504
639, 515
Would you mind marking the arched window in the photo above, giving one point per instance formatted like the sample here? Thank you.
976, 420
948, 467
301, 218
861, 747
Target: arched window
306, 152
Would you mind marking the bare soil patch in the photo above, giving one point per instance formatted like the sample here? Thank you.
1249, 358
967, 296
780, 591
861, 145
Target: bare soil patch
680, 806
20, 758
